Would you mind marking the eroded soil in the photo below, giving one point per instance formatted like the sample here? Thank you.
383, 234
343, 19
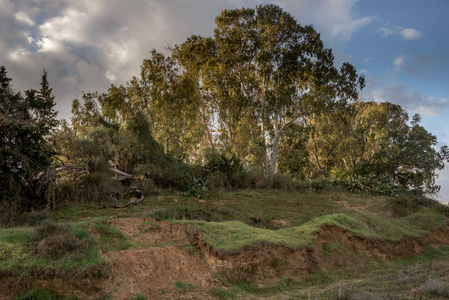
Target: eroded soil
171, 263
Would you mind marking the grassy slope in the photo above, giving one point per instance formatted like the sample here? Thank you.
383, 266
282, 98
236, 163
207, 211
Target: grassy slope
232, 235
229, 222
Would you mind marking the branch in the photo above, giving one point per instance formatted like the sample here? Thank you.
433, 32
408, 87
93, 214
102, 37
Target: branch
132, 201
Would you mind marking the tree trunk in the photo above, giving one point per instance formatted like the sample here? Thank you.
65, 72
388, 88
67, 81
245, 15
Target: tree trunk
274, 150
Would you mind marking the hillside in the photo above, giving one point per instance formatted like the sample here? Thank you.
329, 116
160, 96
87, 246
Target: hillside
250, 244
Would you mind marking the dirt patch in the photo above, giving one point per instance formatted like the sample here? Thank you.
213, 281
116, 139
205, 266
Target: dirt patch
169, 265
154, 272
149, 232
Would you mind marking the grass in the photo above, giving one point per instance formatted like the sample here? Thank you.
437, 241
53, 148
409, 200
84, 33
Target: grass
43, 295
246, 220
233, 236
111, 238
184, 287
48, 251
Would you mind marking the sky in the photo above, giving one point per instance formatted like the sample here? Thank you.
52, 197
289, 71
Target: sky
401, 46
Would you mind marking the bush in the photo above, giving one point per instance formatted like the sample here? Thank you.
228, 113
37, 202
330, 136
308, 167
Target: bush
170, 175
403, 206
256, 178
376, 185
435, 287
197, 188
282, 182
224, 172
88, 188
55, 241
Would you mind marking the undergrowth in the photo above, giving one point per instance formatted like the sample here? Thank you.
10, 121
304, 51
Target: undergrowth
49, 251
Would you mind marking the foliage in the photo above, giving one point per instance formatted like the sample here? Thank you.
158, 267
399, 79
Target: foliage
26, 151
197, 188
376, 185
282, 182
224, 172
265, 71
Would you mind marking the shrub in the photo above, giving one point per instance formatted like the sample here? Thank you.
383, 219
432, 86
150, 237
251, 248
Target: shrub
282, 182
88, 188
55, 241
256, 178
198, 189
376, 185
435, 287
224, 172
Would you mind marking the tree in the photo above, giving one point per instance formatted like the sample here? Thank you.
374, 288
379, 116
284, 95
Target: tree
262, 61
406, 153
26, 150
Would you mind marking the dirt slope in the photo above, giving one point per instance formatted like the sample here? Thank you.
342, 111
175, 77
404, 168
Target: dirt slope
170, 264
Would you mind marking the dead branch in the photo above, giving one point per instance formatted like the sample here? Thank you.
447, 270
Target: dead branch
132, 201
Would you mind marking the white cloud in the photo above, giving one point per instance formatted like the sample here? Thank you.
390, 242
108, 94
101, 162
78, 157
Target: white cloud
411, 101
405, 33
87, 45
386, 31
336, 20
24, 18
398, 61
410, 34
430, 111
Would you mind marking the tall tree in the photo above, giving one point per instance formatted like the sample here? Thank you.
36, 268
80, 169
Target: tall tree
25, 151
261, 60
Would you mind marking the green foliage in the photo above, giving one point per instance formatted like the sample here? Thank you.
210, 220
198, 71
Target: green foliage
26, 121
224, 172
256, 178
376, 185
111, 238
282, 182
225, 293
197, 188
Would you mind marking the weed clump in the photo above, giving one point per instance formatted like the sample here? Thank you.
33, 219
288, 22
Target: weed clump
435, 287
55, 241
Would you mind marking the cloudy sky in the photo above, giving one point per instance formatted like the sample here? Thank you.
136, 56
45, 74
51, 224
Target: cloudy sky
401, 46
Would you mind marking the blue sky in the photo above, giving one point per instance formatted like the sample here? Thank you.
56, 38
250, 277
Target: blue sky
402, 47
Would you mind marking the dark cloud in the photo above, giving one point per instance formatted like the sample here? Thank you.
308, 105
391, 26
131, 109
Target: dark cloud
420, 64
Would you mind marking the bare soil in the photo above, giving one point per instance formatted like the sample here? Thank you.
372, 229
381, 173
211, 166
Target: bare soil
171, 264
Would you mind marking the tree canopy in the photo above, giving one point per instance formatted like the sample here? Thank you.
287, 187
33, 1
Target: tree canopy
262, 94
26, 122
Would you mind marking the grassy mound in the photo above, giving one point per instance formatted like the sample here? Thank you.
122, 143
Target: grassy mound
234, 236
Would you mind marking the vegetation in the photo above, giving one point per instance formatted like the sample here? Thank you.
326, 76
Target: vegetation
249, 138
259, 105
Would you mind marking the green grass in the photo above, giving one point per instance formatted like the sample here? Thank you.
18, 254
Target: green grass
25, 251
246, 220
234, 235
184, 287
111, 238
43, 295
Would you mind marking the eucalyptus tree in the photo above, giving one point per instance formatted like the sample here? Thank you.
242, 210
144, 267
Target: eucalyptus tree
262, 64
